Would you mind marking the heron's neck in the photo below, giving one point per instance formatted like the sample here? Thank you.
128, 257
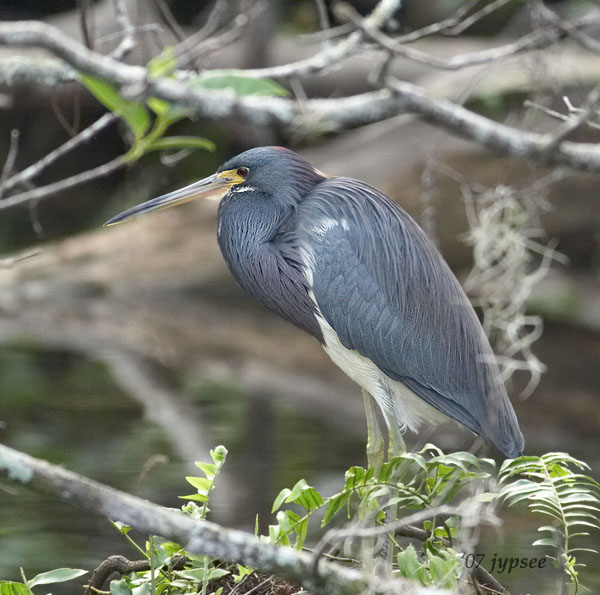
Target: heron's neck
246, 233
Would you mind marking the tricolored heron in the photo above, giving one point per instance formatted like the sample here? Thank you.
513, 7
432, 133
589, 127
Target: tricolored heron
342, 261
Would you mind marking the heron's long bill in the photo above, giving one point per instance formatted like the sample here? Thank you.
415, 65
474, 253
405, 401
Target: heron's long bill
214, 186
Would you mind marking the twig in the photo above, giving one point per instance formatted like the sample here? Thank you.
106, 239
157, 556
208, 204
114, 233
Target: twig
207, 30
405, 528
261, 584
9, 163
128, 41
336, 535
200, 536
70, 128
573, 123
38, 167
169, 19
323, 16
233, 33
326, 34
578, 36
84, 8
146, 28
442, 26
8, 262
554, 114
114, 564
56, 187
477, 16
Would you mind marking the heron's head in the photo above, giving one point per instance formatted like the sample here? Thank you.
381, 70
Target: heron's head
273, 171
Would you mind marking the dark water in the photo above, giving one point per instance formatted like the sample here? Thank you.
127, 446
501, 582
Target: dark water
66, 408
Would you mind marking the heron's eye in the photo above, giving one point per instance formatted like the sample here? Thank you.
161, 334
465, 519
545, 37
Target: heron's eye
242, 172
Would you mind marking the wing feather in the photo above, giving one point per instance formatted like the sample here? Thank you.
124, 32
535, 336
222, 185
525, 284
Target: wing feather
386, 291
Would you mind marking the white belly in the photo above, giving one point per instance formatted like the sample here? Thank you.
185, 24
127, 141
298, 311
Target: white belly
399, 405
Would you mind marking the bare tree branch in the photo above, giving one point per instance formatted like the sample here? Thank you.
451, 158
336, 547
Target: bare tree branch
331, 55
535, 40
316, 115
198, 536
495, 135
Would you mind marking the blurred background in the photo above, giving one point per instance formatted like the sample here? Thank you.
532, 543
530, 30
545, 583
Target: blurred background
127, 353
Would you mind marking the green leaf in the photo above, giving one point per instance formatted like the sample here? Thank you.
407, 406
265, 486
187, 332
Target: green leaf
11, 588
356, 477
120, 587
305, 495
181, 142
443, 570
550, 487
335, 503
165, 64
281, 498
202, 484
238, 82
209, 469
134, 113
199, 575
143, 589
59, 575
545, 542
167, 113
408, 562
219, 455
172, 548
287, 519
242, 571
195, 497
121, 527
301, 529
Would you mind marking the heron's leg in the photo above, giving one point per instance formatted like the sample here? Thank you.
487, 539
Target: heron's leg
396, 445
375, 444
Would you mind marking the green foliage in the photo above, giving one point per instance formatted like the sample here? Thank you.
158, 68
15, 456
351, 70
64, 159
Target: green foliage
148, 121
440, 570
550, 487
413, 482
52, 577
200, 571
204, 484
137, 116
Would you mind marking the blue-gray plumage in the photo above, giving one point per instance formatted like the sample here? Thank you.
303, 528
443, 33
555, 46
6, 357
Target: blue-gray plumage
342, 261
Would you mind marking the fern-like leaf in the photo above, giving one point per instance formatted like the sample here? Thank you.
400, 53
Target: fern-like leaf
551, 486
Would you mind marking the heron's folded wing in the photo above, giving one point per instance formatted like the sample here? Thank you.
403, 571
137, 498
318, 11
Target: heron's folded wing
383, 287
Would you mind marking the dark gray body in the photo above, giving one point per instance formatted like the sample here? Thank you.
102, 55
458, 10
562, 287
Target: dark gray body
337, 254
